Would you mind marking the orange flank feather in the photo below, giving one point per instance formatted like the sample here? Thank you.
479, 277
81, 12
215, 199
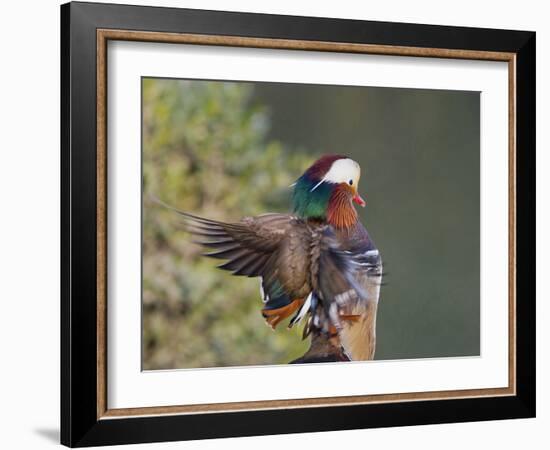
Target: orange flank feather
350, 317
274, 316
333, 336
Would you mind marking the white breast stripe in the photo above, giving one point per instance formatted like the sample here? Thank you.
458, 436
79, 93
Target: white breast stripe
303, 310
344, 297
265, 298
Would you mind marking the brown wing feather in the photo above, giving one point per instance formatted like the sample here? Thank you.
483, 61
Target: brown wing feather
272, 246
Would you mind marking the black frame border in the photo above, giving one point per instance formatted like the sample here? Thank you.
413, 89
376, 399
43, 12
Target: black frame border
79, 423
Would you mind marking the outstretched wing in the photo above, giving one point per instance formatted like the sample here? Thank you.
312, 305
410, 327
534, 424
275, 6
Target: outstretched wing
248, 245
271, 246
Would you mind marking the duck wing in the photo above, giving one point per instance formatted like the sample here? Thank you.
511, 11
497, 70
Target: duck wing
337, 283
357, 332
274, 247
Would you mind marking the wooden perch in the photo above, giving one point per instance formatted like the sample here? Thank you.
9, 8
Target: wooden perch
322, 349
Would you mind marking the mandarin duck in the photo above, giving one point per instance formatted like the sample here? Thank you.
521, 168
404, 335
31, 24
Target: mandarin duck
318, 265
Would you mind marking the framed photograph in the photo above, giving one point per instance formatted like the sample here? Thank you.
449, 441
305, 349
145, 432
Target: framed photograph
276, 224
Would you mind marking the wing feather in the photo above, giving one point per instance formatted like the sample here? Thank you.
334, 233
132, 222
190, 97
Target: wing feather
251, 247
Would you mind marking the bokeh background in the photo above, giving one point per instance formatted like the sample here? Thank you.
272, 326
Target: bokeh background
229, 149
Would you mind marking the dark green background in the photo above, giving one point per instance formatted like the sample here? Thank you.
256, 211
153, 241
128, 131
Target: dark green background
419, 154
226, 149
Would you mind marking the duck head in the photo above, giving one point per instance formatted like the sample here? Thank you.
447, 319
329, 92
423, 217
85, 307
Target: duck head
327, 190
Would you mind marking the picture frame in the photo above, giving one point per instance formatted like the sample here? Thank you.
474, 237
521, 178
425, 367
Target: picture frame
86, 30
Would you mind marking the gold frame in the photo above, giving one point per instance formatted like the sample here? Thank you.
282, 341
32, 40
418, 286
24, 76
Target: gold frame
103, 36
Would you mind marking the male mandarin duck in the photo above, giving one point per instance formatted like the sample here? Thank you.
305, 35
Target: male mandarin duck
318, 263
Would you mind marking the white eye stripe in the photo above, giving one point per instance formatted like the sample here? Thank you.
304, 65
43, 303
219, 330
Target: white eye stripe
317, 185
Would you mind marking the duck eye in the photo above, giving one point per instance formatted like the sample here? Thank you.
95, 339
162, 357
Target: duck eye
350, 182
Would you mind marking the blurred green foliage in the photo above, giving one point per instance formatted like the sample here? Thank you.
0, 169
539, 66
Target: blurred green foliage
206, 151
